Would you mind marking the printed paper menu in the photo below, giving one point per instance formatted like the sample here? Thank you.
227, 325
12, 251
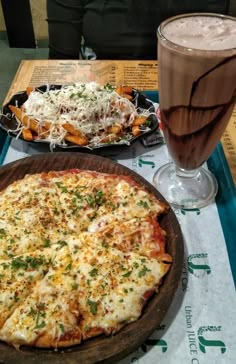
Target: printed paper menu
139, 74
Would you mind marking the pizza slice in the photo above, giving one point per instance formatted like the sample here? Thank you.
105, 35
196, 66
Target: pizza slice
30, 216
49, 315
113, 283
82, 194
141, 235
127, 200
94, 200
18, 276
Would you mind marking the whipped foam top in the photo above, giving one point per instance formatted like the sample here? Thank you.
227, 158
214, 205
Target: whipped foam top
202, 32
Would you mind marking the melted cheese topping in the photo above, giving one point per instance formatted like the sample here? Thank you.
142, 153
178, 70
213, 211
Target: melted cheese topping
79, 255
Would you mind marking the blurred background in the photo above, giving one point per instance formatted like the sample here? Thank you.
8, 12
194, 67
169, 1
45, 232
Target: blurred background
35, 43
38, 11
10, 57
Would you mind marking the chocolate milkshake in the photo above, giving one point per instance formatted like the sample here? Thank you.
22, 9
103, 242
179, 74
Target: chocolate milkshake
197, 83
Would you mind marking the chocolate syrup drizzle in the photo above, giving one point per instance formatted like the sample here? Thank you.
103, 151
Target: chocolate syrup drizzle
191, 150
196, 83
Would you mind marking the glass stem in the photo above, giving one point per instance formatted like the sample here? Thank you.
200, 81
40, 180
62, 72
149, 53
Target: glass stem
181, 172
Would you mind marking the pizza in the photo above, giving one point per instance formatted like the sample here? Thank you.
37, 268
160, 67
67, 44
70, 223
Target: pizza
81, 253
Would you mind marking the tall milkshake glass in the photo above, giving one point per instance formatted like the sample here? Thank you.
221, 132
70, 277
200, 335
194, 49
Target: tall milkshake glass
197, 86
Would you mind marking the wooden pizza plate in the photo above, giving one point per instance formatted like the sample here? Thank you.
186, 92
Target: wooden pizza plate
101, 349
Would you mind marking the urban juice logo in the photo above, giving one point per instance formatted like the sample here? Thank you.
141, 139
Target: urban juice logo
197, 264
185, 212
205, 343
142, 162
204, 340
146, 161
160, 344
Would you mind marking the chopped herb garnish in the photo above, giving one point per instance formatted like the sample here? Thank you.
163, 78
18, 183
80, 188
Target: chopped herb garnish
74, 285
56, 211
111, 204
109, 87
40, 312
62, 328
99, 198
90, 200
40, 326
93, 306
35, 262
5, 265
143, 204
10, 255
83, 187
93, 272
62, 188
143, 271
61, 243
122, 267
105, 244
37, 314
78, 195
68, 267
47, 243
127, 274
18, 263
2, 233
33, 312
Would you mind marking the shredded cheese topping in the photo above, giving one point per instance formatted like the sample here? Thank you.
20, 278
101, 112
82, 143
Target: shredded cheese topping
89, 107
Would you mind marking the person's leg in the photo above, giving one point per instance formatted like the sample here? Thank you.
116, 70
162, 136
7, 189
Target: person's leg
64, 19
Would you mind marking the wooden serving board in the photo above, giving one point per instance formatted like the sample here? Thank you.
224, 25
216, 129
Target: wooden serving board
101, 349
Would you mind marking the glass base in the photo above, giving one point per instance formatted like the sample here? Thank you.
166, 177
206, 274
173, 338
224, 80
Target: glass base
185, 189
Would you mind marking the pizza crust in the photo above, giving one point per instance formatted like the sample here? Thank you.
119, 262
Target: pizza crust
70, 338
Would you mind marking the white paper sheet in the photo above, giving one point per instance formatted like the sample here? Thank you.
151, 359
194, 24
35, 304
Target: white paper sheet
199, 327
